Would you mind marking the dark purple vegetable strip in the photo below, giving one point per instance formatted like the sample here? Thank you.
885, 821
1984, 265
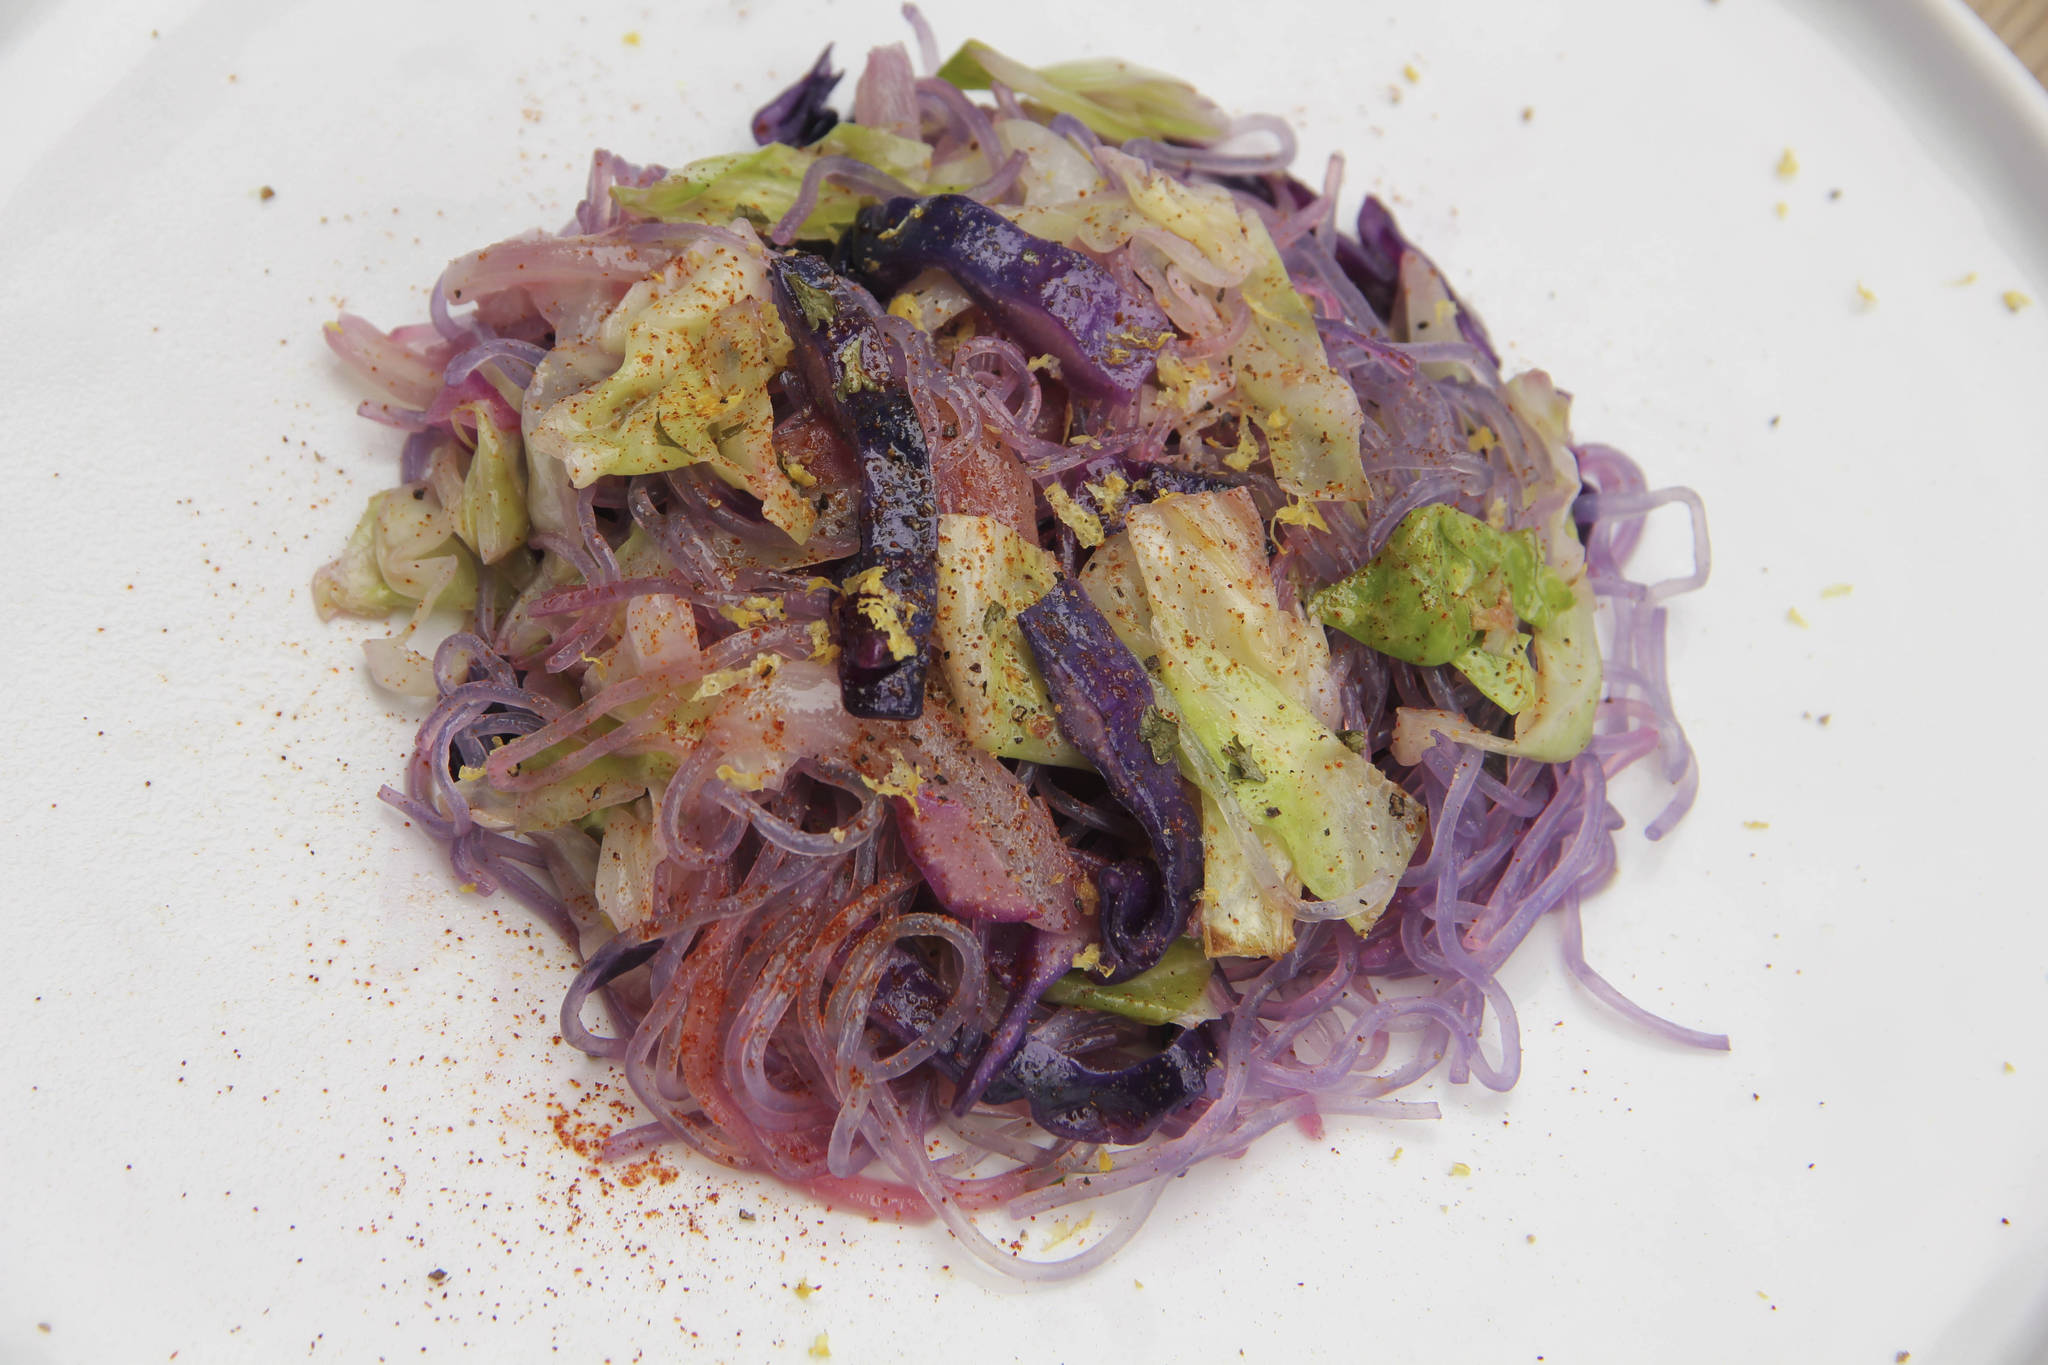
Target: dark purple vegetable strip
1051, 298
845, 365
1374, 265
1143, 483
1071, 1099
1126, 892
1045, 960
1104, 701
1068, 1098
798, 115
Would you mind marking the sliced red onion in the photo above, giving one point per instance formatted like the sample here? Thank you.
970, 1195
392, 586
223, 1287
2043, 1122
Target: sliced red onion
599, 211
409, 373
968, 122
927, 45
505, 350
886, 95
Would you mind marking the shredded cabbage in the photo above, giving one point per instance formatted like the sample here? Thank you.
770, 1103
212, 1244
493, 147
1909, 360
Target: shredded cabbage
698, 344
1115, 99
987, 574
884, 658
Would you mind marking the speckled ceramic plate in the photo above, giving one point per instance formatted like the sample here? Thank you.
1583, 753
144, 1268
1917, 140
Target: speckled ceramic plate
274, 1089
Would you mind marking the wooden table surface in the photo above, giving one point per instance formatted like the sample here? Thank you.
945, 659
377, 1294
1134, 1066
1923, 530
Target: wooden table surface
2023, 24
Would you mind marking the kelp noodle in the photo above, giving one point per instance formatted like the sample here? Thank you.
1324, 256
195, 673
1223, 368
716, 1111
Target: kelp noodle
837, 679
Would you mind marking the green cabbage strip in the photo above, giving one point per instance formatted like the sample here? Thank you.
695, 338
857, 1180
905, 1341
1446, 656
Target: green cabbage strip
700, 341
761, 186
1171, 991
1114, 98
1244, 914
606, 781
1450, 589
1285, 802
1308, 412
987, 574
1556, 723
491, 517
404, 552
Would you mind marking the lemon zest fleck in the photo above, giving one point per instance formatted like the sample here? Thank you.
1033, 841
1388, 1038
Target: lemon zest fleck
883, 608
798, 474
753, 610
902, 779
822, 648
746, 782
907, 307
1086, 526
725, 679
1110, 493
1247, 453
1298, 512
1066, 1230
1179, 379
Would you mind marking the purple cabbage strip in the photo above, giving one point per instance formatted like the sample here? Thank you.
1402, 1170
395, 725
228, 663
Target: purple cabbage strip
1104, 702
1373, 261
1144, 482
1068, 1098
1071, 1099
1374, 265
1049, 297
798, 115
845, 364
1045, 960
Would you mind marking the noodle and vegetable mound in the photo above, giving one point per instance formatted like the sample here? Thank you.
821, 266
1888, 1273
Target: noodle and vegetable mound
1019, 653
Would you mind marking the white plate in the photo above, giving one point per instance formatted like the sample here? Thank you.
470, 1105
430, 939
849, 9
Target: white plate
268, 1072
